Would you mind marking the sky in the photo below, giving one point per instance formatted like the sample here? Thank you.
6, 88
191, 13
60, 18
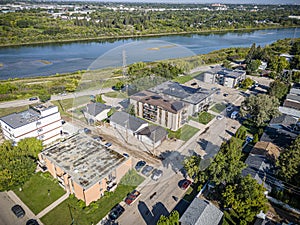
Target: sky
274, 2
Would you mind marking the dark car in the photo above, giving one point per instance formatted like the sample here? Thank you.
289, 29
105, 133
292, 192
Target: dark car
33, 98
18, 211
139, 165
184, 184
116, 212
87, 130
32, 222
108, 144
147, 170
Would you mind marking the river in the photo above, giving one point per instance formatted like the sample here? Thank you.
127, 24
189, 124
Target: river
49, 59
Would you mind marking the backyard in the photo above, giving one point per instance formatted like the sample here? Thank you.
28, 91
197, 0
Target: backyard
40, 191
203, 117
184, 133
74, 210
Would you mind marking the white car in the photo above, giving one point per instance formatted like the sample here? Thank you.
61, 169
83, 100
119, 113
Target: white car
219, 117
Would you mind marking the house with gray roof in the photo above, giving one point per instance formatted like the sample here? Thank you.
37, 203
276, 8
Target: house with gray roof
284, 121
223, 76
96, 111
201, 212
127, 123
152, 135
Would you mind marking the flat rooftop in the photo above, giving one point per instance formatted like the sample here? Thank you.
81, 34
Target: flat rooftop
84, 159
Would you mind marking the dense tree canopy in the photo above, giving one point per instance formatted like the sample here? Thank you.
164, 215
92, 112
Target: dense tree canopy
245, 197
17, 163
288, 163
261, 108
172, 219
278, 89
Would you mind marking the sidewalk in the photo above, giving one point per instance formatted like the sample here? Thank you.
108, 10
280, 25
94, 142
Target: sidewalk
53, 205
18, 201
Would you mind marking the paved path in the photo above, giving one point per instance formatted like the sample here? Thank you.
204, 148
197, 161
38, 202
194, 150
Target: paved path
18, 201
53, 205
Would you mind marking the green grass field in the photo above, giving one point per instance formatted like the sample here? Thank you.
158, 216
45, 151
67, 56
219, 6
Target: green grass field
35, 192
205, 117
218, 107
183, 79
92, 214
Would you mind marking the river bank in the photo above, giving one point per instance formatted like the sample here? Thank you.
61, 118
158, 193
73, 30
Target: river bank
212, 31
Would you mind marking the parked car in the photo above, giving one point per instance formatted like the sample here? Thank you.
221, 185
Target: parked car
234, 115
32, 222
229, 108
126, 155
139, 165
18, 211
87, 130
33, 98
116, 212
132, 197
219, 117
108, 144
156, 174
147, 170
225, 94
184, 184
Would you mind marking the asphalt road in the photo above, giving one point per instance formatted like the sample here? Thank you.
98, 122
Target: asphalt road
18, 103
7, 217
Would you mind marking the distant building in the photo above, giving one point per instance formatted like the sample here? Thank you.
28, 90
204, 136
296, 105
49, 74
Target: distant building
85, 168
225, 77
201, 212
127, 123
95, 112
41, 121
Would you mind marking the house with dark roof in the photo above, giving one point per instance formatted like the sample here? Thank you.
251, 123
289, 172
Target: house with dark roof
96, 112
223, 76
201, 212
127, 123
284, 121
152, 135
261, 163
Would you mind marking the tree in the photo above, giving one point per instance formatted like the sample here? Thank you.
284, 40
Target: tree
227, 165
288, 163
261, 108
241, 133
99, 99
246, 198
172, 219
253, 65
278, 89
17, 163
247, 83
44, 97
118, 86
250, 54
131, 110
192, 165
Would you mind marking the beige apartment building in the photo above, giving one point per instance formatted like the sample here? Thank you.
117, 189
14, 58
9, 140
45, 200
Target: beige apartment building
160, 110
84, 167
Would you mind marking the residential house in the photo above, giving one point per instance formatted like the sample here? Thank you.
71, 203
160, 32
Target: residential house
284, 121
95, 112
223, 76
164, 111
292, 101
84, 167
127, 123
41, 121
201, 212
261, 163
152, 135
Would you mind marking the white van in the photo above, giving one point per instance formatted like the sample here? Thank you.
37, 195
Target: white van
234, 114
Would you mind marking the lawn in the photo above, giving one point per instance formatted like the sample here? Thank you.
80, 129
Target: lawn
219, 107
72, 102
92, 214
116, 94
35, 192
183, 79
204, 118
6, 111
184, 133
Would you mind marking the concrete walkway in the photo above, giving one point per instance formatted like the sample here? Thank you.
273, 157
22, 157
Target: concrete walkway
53, 205
18, 201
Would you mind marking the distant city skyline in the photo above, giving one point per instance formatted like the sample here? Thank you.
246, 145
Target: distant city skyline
258, 2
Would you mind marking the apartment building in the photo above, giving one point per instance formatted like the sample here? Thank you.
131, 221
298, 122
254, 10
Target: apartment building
41, 121
223, 76
160, 110
84, 167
